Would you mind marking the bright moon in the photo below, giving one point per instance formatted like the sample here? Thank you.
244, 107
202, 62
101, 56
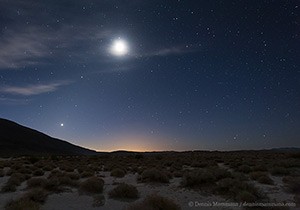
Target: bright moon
61, 125
119, 47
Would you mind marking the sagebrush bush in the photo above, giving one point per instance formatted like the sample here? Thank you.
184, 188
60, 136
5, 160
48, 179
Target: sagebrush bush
255, 175
279, 171
38, 195
2, 174
265, 180
36, 182
155, 202
244, 169
22, 204
92, 185
124, 191
15, 180
245, 196
38, 172
154, 175
292, 184
117, 172
198, 178
86, 174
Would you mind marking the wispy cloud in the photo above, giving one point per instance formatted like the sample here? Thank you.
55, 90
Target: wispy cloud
30, 90
14, 101
174, 50
20, 49
23, 47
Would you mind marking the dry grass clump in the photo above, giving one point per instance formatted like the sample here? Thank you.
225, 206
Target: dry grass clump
22, 204
66, 168
117, 172
92, 185
238, 190
154, 175
265, 180
261, 177
154, 202
14, 181
198, 178
86, 174
279, 171
124, 191
57, 180
29, 201
38, 172
38, 195
72, 175
48, 167
292, 184
260, 167
36, 182
25, 170
2, 174
244, 169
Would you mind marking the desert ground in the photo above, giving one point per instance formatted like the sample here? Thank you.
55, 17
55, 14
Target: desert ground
152, 181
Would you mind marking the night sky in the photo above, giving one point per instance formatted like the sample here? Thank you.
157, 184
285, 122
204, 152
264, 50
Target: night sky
153, 75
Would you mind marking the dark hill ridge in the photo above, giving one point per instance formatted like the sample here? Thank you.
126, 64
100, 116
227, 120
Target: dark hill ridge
16, 139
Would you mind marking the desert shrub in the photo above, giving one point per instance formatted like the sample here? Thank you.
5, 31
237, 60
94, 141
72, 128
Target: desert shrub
279, 171
72, 175
177, 174
67, 181
36, 182
37, 195
292, 184
55, 173
224, 185
22, 204
238, 190
124, 191
9, 187
38, 172
239, 176
154, 175
99, 200
86, 174
28, 201
176, 167
241, 186
14, 181
48, 167
244, 168
53, 185
245, 196
117, 172
220, 173
198, 178
265, 180
67, 168
155, 202
24, 170
92, 185
33, 159
2, 174
260, 167
10, 172
255, 175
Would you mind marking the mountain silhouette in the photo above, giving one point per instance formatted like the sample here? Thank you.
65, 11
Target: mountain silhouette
18, 140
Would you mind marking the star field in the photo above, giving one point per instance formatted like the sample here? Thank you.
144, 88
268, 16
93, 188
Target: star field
185, 75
